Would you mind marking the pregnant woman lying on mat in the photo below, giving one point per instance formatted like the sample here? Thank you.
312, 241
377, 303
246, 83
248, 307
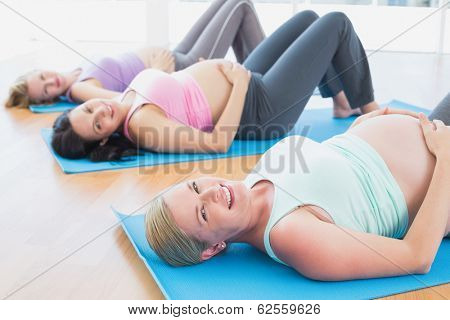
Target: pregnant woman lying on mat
225, 23
207, 105
372, 202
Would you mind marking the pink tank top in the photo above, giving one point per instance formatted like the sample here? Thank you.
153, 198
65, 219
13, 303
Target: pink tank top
177, 94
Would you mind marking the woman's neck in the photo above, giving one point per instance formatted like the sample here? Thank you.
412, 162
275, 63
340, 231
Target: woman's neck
261, 205
71, 77
126, 101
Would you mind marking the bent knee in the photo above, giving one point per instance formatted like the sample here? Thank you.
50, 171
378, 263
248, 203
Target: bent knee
336, 17
240, 7
307, 16
240, 3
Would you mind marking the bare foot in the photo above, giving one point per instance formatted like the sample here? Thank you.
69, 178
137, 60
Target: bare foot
341, 107
345, 112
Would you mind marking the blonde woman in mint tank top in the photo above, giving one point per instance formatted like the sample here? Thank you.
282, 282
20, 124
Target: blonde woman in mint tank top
372, 202
225, 24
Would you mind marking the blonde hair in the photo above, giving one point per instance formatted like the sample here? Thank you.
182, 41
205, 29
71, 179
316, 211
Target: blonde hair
169, 242
18, 93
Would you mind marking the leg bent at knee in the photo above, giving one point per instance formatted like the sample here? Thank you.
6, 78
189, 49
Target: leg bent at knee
307, 16
337, 20
337, 16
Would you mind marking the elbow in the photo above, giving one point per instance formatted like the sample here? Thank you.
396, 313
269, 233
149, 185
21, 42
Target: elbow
423, 265
213, 149
218, 142
221, 147
424, 268
420, 259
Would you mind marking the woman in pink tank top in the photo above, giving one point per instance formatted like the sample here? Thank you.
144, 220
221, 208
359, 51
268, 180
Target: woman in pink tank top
204, 107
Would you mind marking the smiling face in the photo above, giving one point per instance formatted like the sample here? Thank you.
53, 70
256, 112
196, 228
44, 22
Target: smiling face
210, 209
46, 85
96, 119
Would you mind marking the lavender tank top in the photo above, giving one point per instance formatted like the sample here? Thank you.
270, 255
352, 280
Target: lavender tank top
177, 94
114, 73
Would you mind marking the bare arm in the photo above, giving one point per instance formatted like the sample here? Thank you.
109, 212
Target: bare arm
226, 127
345, 254
157, 58
86, 90
162, 60
165, 135
327, 252
425, 230
324, 251
429, 226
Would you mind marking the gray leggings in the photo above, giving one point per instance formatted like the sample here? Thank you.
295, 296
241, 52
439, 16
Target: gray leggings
442, 111
225, 23
305, 52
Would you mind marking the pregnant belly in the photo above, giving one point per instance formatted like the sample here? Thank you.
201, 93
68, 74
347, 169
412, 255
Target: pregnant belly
399, 141
213, 83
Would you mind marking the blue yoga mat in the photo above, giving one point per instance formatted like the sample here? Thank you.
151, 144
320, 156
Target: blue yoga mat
59, 106
316, 124
243, 272
64, 105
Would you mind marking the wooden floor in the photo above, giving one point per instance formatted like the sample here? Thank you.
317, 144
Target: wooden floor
58, 235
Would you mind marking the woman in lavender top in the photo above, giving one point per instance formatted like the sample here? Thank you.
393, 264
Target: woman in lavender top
225, 23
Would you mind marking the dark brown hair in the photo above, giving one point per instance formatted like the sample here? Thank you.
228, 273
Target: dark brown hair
68, 144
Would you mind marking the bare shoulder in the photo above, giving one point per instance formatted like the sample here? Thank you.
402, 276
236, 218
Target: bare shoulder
291, 234
148, 116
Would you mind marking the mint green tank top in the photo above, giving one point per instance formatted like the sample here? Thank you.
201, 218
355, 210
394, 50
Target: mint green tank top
344, 176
